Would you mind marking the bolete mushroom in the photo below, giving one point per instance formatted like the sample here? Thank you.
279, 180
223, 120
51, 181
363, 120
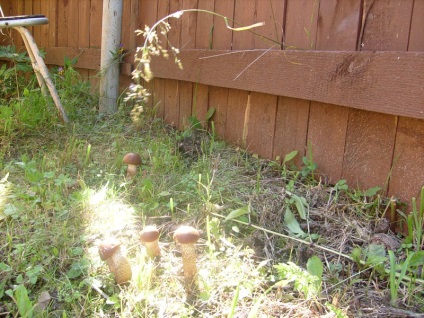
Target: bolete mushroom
133, 160
149, 236
186, 236
110, 251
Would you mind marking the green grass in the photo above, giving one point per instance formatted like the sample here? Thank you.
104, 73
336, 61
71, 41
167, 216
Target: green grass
63, 190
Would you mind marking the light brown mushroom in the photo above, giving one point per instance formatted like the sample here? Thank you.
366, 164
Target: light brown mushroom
149, 236
133, 160
110, 251
186, 236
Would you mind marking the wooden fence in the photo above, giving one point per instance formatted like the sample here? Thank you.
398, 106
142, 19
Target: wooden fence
344, 76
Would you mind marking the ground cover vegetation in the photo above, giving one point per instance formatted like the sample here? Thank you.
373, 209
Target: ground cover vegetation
274, 240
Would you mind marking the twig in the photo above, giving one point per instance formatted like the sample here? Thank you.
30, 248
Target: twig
97, 289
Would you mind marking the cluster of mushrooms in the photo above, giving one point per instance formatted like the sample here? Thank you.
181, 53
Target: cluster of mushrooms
184, 236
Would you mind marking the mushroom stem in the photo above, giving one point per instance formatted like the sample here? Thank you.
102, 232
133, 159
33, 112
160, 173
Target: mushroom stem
131, 171
152, 248
120, 267
150, 238
188, 253
186, 236
110, 251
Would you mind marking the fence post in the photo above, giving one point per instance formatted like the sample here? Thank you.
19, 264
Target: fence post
109, 60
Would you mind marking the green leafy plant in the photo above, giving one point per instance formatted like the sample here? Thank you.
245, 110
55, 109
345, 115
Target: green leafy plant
307, 282
20, 296
415, 223
309, 166
11, 80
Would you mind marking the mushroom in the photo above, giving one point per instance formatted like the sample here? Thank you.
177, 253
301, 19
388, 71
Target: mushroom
186, 236
132, 160
110, 251
149, 237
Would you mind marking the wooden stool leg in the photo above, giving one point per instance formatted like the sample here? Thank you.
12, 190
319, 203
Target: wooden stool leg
41, 70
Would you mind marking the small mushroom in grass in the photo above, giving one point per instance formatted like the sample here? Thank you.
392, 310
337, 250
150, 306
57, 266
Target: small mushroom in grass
150, 238
186, 236
110, 251
133, 160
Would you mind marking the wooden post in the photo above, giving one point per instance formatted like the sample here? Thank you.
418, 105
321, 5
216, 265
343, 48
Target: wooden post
109, 61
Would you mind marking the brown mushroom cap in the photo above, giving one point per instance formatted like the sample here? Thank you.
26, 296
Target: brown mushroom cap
108, 248
186, 235
132, 159
149, 234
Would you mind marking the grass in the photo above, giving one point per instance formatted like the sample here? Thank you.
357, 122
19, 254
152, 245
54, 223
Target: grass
63, 190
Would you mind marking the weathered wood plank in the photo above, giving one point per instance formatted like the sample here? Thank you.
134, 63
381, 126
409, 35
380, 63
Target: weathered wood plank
290, 128
416, 39
338, 20
293, 114
87, 58
244, 14
96, 13
204, 37
218, 99
52, 15
84, 37
261, 125
187, 40
361, 80
263, 107
364, 80
158, 96
63, 20
371, 137
408, 174
408, 161
222, 39
43, 41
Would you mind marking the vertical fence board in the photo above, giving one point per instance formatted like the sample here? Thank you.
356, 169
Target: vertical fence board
20, 10
162, 10
146, 15
290, 127
96, 12
134, 23
222, 39
62, 26
52, 23
244, 14
236, 115
84, 36
337, 21
28, 11
158, 96
172, 102
369, 149
408, 174
371, 137
416, 39
272, 13
293, 114
260, 135
187, 41
127, 16
36, 9
44, 29
204, 38
263, 107
73, 23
